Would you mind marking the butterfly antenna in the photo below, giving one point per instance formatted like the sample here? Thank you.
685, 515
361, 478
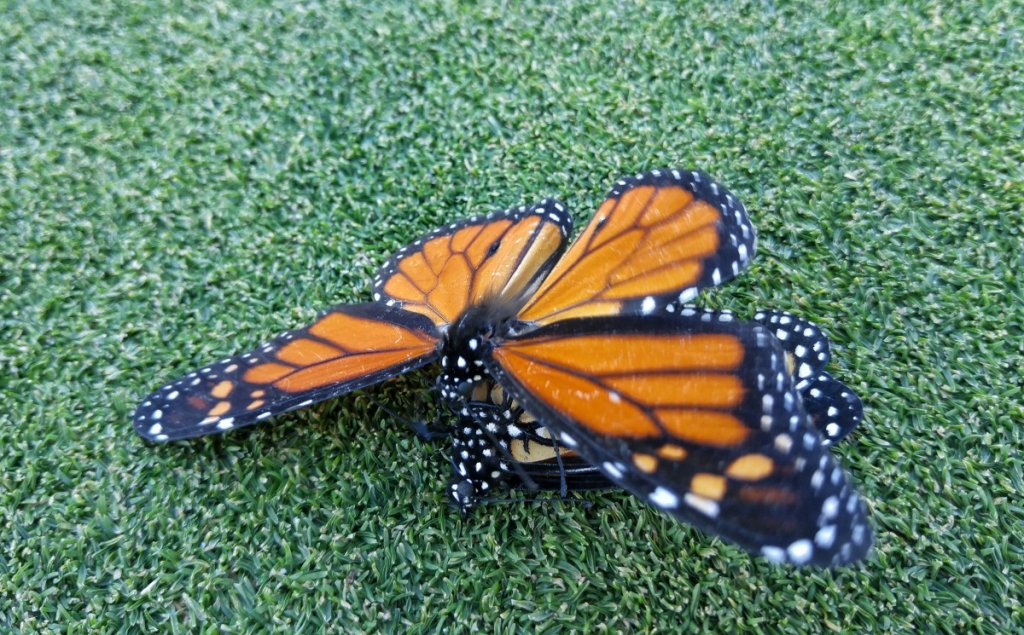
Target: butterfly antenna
420, 427
537, 501
563, 489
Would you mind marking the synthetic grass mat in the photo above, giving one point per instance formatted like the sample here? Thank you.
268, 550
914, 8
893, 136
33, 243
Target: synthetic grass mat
181, 180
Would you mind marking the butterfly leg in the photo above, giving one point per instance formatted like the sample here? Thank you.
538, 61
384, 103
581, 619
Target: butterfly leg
563, 486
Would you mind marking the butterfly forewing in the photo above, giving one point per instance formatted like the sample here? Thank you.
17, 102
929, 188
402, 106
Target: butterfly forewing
658, 238
347, 348
699, 418
502, 255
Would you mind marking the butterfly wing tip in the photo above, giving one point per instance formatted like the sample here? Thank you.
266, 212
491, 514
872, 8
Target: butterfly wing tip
153, 433
150, 419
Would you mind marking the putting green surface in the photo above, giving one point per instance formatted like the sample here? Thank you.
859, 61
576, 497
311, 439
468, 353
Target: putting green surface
180, 181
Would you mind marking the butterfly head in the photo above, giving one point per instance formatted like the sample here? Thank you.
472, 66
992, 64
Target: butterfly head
462, 496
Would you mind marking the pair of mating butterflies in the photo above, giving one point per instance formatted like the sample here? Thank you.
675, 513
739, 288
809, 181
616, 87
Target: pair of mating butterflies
584, 366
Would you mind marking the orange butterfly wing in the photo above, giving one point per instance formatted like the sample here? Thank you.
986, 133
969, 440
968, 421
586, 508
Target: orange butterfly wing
697, 417
347, 348
499, 256
657, 239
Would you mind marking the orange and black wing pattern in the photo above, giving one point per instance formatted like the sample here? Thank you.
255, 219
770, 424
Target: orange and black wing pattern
657, 239
347, 348
500, 256
699, 418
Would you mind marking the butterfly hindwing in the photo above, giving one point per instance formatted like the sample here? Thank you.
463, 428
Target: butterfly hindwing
658, 238
807, 347
699, 419
835, 409
347, 348
501, 255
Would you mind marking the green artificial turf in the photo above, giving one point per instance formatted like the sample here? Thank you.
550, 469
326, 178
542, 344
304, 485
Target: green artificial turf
181, 180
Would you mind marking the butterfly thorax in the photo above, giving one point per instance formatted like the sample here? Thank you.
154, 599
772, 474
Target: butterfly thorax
463, 349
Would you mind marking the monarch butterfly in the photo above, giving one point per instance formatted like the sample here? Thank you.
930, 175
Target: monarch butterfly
697, 416
513, 448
